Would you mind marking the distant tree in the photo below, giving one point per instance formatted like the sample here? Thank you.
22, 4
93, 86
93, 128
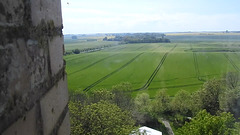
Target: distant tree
76, 51
163, 35
140, 38
105, 39
206, 124
74, 37
101, 118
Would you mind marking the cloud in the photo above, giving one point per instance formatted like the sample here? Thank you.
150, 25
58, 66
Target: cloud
84, 19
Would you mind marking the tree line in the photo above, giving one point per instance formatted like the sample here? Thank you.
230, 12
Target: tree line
140, 38
214, 109
86, 50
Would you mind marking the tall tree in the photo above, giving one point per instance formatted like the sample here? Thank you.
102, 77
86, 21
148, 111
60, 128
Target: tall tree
142, 102
181, 103
210, 95
207, 124
230, 101
232, 79
161, 104
101, 118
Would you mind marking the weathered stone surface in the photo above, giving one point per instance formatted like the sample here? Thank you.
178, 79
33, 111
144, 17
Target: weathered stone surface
11, 12
65, 127
31, 55
23, 68
56, 54
46, 10
52, 105
27, 125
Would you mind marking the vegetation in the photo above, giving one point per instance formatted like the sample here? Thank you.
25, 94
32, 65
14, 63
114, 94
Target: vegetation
207, 124
101, 118
181, 83
165, 66
189, 114
139, 38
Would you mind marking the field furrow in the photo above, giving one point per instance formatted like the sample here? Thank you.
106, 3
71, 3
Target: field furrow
196, 66
150, 67
149, 81
231, 61
88, 66
115, 71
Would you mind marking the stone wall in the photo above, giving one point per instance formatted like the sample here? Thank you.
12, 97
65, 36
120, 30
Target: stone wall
33, 84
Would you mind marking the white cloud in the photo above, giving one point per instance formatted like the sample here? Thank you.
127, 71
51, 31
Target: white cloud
87, 19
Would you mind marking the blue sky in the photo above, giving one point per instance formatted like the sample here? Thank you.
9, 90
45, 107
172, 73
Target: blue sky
117, 16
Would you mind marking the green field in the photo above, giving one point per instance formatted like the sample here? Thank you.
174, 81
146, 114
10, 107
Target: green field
150, 67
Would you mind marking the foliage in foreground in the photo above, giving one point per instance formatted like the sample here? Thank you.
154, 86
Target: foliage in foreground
101, 118
210, 109
206, 124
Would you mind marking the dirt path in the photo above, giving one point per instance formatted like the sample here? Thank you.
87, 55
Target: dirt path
167, 125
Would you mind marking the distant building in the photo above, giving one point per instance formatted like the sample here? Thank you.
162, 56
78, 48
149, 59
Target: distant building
148, 131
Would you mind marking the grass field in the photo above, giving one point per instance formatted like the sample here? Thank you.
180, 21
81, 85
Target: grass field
150, 67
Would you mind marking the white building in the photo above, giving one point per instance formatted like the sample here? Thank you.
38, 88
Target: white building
148, 131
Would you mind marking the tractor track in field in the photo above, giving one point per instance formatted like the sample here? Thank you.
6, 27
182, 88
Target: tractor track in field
120, 48
236, 55
156, 48
149, 81
110, 74
116, 48
139, 48
196, 66
178, 86
88, 66
232, 63
80, 57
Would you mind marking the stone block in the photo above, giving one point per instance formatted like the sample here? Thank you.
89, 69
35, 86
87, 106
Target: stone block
46, 10
65, 127
56, 54
26, 125
53, 104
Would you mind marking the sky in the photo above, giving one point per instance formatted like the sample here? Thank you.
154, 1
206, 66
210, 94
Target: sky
131, 16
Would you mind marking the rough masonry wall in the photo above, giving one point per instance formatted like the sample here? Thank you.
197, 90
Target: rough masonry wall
33, 84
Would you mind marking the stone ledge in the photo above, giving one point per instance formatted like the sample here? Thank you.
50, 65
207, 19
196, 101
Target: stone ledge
24, 125
8, 117
53, 104
63, 125
56, 54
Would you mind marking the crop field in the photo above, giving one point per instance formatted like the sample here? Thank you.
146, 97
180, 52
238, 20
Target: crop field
150, 67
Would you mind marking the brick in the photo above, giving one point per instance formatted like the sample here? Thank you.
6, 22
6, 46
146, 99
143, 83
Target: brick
46, 10
56, 54
53, 104
65, 127
24, 126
